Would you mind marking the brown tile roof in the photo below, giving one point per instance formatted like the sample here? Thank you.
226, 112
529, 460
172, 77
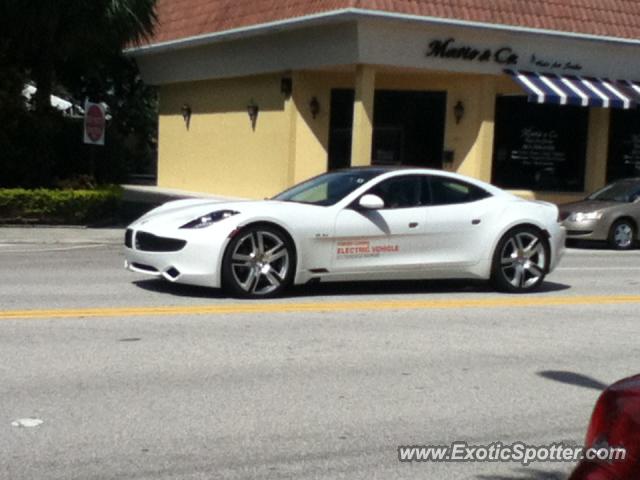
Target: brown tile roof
613, 18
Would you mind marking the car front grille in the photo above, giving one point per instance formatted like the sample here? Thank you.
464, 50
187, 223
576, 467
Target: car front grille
128, 238
146, 268
148, 242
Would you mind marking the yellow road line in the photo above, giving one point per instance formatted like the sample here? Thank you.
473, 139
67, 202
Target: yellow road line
364, 305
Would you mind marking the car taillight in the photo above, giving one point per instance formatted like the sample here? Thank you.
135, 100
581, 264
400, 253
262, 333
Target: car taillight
615, 423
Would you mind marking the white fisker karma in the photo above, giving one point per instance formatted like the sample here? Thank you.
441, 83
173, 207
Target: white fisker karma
371, 223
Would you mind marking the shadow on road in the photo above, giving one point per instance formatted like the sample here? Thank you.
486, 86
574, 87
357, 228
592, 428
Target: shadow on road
179, 290
596, 245
527, 474
345, 288
572, 378
406, 286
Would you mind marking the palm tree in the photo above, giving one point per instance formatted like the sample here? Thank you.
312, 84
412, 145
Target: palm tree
48, 37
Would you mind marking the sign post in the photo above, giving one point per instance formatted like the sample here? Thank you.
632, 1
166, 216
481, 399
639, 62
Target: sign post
94, 123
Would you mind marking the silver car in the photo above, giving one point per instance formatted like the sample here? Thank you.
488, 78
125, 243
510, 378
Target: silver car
611, 214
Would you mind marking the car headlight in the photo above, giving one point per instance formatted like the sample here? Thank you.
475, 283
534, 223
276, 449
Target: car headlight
585, 217
209, 219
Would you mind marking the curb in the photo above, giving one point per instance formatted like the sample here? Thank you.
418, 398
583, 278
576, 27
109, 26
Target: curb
53, 234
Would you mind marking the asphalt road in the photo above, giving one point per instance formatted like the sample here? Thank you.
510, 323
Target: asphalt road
139, 379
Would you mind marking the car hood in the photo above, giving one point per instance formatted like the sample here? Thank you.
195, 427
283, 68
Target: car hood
175, 214
586, 206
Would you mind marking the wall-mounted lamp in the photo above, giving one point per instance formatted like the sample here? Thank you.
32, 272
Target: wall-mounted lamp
458, 111
186, 114
286, 86
252, 110
314, 107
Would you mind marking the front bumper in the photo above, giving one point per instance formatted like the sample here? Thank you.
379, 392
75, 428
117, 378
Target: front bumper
557, 240
197, 262
591, 230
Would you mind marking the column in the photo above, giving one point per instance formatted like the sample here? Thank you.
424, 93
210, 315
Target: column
362, 130
597, 149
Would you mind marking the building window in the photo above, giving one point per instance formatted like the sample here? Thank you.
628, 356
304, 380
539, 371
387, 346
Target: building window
539, 147
408, 128
340, 127
624, 145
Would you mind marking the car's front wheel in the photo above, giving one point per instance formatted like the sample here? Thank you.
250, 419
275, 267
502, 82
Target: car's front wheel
622, 235
520, 261
258, 263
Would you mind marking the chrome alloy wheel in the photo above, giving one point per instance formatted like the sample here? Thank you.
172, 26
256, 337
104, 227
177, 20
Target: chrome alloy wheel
623, 235
523, 260
260, 262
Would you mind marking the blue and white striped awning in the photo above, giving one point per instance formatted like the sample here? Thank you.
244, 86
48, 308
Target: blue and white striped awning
581, 91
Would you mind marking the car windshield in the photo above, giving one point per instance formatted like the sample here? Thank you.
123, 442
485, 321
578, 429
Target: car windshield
329, 188
617, 192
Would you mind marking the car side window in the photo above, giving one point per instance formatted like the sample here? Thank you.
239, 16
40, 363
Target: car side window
400, 192
449, 191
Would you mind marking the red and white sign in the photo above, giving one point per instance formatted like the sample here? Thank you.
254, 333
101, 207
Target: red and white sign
95, 123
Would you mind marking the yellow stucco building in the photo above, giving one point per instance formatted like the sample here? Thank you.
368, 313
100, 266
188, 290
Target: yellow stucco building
249, 110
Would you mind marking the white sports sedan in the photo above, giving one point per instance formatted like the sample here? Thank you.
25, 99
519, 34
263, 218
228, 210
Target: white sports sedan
371, 223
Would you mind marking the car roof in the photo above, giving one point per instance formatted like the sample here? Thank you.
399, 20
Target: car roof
386, 170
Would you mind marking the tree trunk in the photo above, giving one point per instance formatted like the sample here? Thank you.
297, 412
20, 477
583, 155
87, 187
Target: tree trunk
43, 75
43, 68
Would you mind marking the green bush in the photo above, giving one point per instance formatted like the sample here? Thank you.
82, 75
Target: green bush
63, 206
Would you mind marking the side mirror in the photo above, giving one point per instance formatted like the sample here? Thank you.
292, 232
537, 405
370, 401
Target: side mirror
371, 202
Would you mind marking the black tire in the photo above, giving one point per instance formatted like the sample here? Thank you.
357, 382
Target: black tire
520, 261
259, 262
622, 235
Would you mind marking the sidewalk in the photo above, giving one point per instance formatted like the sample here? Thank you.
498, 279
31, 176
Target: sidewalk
141, 198
60, 235
157, 195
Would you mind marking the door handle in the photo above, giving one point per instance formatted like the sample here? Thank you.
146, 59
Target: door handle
475, 221
413, 224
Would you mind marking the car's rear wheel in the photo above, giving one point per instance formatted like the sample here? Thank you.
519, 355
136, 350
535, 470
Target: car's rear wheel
520, 261
258, 263
622, 235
